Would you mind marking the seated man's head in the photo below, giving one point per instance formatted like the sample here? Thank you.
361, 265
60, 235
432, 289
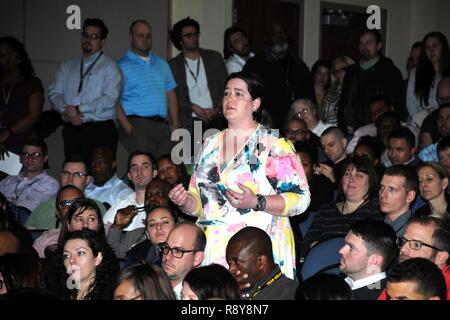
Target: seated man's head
183, 251
141, 169
378, 105
401, 146
443, 91
334, 144
308, 156
416, 279
369, 248
426, 237
398, 188
64, 198
385, 124
443, 120
157, 194
443, 151
34, 156
250, 252
368, 147
74, 172
103, 165
296, 129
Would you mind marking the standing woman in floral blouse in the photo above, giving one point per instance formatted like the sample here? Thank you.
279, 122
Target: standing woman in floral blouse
246, 176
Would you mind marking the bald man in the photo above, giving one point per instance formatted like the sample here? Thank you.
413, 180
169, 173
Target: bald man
250, 259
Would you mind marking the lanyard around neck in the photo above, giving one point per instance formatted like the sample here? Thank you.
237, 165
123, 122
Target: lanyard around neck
83, 75
195, 76
268, 283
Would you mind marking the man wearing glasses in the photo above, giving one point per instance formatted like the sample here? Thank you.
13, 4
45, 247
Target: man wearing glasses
74, 172
200, 75
182, 252
427, 237
86, 92
32, 186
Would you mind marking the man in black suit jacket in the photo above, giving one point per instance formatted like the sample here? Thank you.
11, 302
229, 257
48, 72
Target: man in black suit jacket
369, 248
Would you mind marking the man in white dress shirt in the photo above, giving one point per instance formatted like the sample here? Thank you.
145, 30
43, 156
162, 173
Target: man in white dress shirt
369, 248
236, 49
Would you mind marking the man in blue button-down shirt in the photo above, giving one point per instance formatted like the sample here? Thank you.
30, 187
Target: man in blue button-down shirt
86, 92
148, 98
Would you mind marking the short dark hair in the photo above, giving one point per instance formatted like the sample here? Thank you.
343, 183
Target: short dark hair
227, 51
428, 277
95, 22
407, 172
324, 286
334, 130
75, 157
257, 239
255, 87
66, 187
135, 22
403, 133
388, 115
372, 144
140, 153
374, 32
378, 237
444, 144
381, 97
175, 34
305, 147
37, 142
441, 234
213, 281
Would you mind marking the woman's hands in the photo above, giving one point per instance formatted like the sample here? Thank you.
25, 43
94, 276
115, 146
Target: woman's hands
245, 200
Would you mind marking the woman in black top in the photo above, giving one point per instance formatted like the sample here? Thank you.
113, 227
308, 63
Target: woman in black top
360, 189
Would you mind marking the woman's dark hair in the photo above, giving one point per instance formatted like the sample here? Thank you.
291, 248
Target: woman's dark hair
82, 205
106, 271
324, 287
213, 281
183, 176
25, 66
322, 63
21, 270
255, 87
175, 34
425, 72
170, 210
365, 165
149, 280
227, 49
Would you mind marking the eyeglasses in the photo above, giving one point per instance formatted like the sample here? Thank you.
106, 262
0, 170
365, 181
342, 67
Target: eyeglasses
294, 132
302, 112
66, 203
33, 155
414, 244
191, 34
67, 174
176, 252
92, 36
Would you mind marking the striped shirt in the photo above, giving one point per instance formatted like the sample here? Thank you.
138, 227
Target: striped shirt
330, 222
146, 85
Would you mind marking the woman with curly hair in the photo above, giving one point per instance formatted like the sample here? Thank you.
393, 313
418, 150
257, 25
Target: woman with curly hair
22, 95
86, 267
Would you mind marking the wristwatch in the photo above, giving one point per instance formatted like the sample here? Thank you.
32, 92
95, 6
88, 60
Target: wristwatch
260, 202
